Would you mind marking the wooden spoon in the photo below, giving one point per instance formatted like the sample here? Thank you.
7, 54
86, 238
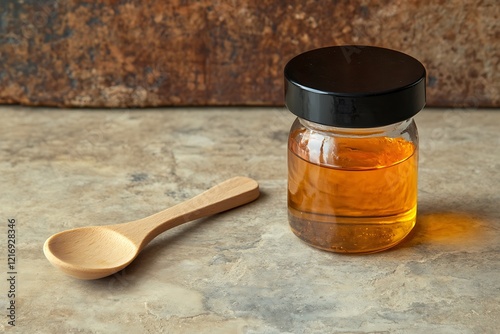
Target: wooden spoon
98, 251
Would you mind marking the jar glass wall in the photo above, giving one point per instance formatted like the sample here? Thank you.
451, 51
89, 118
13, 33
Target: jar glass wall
352, 190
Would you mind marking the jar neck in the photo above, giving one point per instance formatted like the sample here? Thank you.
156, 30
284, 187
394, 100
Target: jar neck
387, 130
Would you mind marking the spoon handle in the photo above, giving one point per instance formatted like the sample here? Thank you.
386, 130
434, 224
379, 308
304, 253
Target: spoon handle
224, 196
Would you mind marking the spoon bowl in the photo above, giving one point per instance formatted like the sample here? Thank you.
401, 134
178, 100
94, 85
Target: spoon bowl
98, 251
90, 252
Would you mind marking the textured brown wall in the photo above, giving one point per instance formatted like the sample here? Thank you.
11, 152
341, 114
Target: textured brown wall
160, 52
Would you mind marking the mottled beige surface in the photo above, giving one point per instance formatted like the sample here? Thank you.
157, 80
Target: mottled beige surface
242, 271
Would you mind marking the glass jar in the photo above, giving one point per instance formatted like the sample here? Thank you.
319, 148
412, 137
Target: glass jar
353, 149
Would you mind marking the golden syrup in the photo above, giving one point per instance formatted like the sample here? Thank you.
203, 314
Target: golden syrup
351, 195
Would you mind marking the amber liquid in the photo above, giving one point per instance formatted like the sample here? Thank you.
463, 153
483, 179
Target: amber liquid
351, 195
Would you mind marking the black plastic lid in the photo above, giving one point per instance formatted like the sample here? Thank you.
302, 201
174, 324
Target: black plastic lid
354, 86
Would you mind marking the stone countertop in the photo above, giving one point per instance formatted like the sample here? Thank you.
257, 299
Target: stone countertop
242, 271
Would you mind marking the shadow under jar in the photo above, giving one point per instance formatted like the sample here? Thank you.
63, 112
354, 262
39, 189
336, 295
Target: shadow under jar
353, 149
